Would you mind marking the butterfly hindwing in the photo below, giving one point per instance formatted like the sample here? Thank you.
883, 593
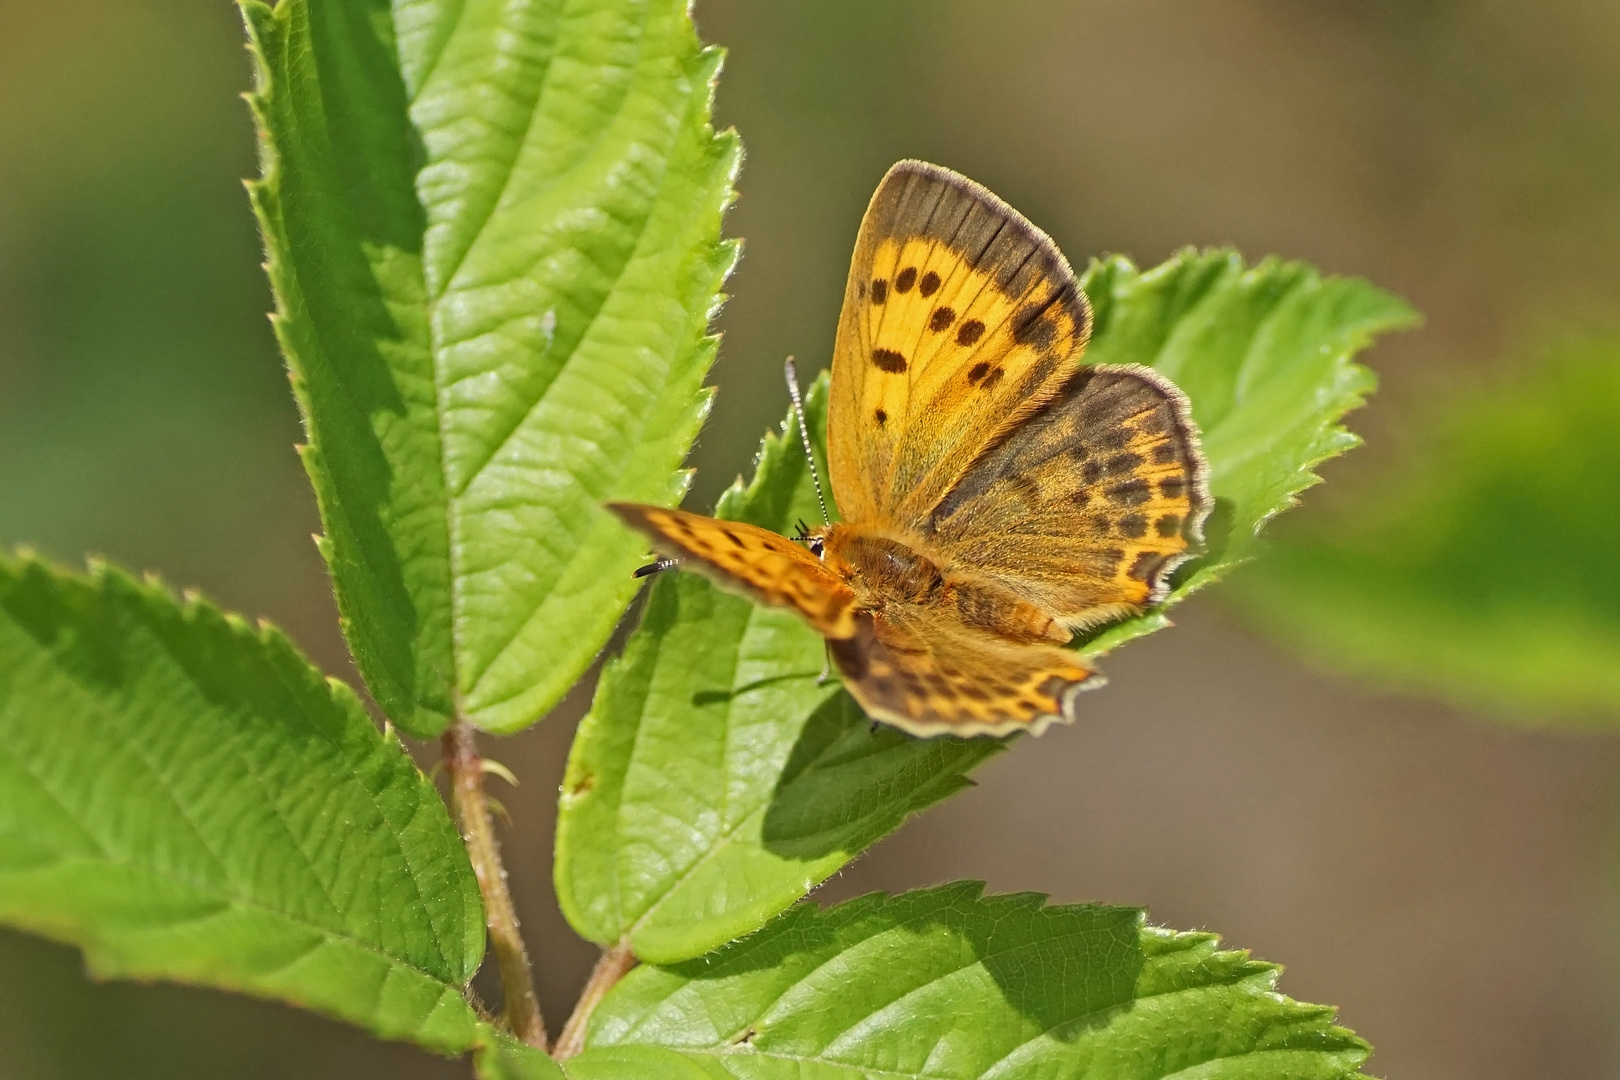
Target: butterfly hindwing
747, 559
1089, 505
960, 318
928, 674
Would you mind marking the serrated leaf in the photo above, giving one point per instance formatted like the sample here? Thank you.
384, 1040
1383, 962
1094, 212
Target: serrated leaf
184, 797
498, 1056
716, 778
1476, 572
1265, 355
947, 984
493, 236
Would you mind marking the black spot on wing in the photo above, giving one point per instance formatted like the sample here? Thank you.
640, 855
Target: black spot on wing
905, 279
889, 360
978, 371
880, 290
1123, 464
941, 319
1132, 492
1112, 438
929, 284
969, 332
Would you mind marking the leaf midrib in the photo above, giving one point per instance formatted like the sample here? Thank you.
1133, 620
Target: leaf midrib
453, 515
227, 900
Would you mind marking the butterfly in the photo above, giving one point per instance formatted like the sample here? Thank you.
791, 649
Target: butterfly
996, 495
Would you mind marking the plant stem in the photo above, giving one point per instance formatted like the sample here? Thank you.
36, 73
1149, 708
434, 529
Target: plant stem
466, 770
609, 969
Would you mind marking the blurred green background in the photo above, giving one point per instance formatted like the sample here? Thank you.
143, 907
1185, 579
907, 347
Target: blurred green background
1449, 882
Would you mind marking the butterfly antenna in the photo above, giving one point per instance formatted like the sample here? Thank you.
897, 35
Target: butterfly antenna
792, 374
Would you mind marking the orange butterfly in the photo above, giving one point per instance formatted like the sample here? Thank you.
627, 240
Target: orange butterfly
996, 496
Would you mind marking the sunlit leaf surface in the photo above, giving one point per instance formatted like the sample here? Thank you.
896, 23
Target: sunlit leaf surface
493, 235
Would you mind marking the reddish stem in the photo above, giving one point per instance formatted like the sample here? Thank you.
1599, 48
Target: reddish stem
466, 770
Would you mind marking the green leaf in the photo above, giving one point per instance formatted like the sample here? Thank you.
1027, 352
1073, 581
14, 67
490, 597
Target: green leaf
493, 236
501, 1057
184, 797
716, 779
945, 983
1481, 570
1264, 353
498, 1056
642, 1063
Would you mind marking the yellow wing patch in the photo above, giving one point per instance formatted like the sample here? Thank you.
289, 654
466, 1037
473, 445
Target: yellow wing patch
747, 559
960, 318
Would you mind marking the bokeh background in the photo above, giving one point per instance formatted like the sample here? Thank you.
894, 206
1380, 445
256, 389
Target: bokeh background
1449, 882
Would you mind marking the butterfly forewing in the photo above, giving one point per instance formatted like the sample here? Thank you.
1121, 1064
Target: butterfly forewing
960, 318
747, 559
1088, 506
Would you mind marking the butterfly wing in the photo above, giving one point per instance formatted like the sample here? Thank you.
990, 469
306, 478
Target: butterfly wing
927, 673
1087, 506
749, 560
960, 318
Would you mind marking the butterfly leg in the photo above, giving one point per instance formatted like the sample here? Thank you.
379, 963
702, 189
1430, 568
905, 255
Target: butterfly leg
826, 664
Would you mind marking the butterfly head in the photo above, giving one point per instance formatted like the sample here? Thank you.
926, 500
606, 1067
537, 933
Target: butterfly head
816, 542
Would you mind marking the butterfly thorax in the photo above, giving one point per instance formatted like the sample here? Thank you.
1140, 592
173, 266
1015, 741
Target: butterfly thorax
880, 570
892, 577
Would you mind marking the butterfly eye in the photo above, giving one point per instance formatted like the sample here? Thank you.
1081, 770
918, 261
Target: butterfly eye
817, 545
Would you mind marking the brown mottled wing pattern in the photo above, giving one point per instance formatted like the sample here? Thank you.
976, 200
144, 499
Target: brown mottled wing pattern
960, 318
928, 674
1086, 508
747, 559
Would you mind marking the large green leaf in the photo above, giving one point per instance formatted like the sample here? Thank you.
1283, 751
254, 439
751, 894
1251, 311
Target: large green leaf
1483, 570
717, 779
1264, 353
493, 235
498, 1056
714, 781
946, 984
184, 797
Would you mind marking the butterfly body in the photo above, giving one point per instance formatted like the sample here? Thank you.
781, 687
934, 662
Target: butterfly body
995, 495
887, 576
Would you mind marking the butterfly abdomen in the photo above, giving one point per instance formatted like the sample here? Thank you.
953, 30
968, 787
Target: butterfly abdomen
994, 610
